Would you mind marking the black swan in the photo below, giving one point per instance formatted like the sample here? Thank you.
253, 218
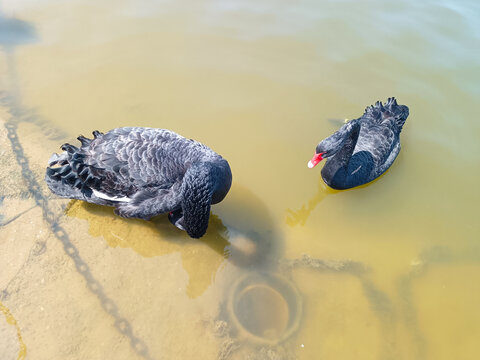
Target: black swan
143, 172
363, 148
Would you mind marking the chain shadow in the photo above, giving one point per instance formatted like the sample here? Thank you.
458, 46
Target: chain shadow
428, 259
378, 301
15, 32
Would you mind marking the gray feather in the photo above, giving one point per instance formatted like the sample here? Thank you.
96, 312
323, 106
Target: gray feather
147, 166
364, 148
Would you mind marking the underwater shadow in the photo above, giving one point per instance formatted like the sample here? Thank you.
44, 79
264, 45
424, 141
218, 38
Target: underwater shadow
378, 300
154, 238
254, 239
428, 260
240, 232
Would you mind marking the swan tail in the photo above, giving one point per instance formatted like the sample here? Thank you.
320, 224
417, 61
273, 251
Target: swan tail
374, 112
398, 112
68, 175
391, 109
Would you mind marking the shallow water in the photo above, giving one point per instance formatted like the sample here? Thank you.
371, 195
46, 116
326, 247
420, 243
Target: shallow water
385, 271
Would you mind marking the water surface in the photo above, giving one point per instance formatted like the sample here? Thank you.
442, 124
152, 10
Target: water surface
391, 269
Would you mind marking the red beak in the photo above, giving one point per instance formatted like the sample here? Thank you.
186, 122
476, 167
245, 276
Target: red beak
315, 160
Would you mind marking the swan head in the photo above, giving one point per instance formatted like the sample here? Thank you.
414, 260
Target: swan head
326, 148
331, 145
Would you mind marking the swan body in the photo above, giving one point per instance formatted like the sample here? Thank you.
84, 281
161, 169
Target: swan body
143, 172
363, 148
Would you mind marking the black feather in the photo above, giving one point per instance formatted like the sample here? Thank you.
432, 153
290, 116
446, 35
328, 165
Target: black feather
158, 170
364, 148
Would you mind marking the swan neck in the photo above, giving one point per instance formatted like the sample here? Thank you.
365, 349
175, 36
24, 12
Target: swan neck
344, 141
335, 168
349, 145
197, 190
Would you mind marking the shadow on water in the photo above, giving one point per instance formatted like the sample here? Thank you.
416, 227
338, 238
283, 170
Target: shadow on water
14, 32
242, 232
300, 216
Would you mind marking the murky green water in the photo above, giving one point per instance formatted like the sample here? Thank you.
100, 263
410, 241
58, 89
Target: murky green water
385, 271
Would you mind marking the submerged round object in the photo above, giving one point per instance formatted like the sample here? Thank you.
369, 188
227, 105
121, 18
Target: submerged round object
265, 308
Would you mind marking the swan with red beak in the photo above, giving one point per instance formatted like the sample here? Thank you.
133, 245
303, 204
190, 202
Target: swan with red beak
315, 160
363, 148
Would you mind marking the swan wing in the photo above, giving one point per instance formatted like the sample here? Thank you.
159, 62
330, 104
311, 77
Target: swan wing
379, 140
127, 159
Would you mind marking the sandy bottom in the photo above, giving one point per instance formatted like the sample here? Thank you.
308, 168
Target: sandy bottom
79, 282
